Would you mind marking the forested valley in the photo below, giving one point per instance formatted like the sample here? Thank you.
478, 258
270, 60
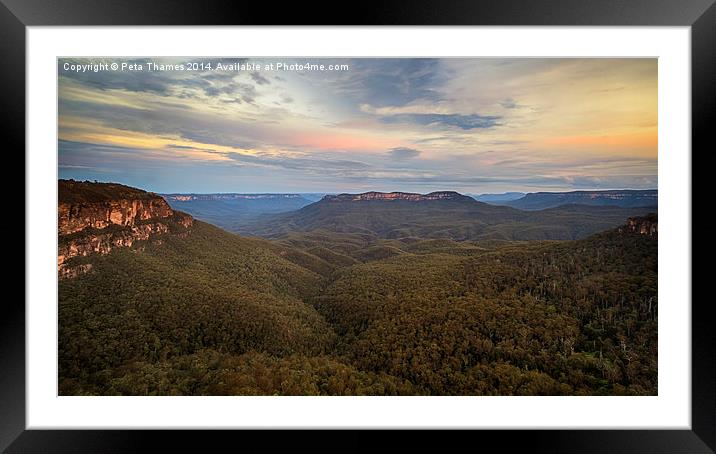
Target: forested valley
323, 312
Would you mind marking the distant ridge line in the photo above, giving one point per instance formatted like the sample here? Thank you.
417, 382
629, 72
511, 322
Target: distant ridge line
597, 191
181, 197
409, 196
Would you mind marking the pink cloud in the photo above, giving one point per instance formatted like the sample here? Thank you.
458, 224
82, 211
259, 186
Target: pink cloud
343, 142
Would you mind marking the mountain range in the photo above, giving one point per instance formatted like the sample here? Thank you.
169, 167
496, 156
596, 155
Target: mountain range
444, 214
356, 294
624, 198
245, 213
231, 210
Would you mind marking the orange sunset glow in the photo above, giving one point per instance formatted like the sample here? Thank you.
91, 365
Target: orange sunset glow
466, 124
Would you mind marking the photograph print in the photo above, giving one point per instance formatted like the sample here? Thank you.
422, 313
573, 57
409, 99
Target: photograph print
358, 226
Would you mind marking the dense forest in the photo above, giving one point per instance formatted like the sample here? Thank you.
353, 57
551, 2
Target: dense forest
327, 312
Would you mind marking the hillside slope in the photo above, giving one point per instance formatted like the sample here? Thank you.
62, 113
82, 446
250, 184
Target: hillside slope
576, 317
451, 216
156, 302
200, 311
209, 290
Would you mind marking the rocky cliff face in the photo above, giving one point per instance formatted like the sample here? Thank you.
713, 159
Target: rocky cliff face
442, 195
96, 218
645, 225
74, 217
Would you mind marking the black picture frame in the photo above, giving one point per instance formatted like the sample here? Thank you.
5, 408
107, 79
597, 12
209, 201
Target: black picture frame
16, 15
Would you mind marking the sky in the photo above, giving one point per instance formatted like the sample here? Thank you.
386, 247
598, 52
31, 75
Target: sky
473, 125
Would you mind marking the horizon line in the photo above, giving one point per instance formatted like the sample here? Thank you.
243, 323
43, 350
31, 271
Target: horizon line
356, 192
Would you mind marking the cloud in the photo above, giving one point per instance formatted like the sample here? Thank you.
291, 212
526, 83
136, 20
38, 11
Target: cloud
466, 183
472, 121
507, 124
186, 123
387, 82
69, 148
173, 146
401, 153
246, 92
509, 103
316, 165
259, 79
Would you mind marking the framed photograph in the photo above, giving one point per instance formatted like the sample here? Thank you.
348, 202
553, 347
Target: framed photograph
427, 219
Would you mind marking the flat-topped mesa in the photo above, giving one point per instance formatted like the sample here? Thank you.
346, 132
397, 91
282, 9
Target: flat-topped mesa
388, 196
96, 218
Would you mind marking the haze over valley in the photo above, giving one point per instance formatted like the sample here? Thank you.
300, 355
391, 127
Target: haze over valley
246, 213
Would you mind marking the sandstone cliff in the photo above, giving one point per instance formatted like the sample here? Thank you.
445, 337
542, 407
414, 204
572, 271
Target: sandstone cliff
645, 225
96, 218
74, 217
